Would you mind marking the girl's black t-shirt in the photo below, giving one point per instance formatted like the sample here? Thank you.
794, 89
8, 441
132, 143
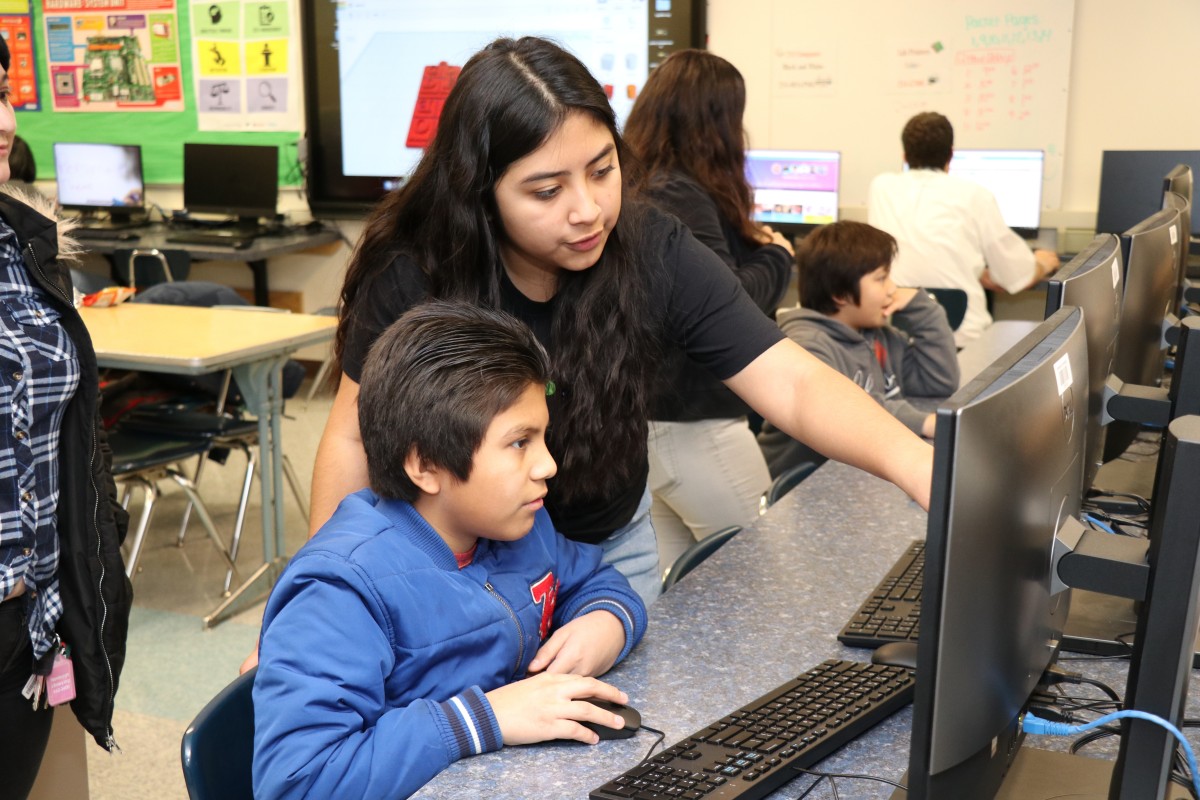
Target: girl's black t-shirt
706, 314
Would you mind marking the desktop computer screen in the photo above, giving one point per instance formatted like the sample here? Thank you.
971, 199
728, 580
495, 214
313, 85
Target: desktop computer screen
233, 179
1093, 281
1151, 254
1013, 176
794, 187
1008, 471
1131, 186
94, 177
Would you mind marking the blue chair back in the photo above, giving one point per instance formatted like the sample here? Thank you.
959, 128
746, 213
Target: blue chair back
787, 480
218, 746
689, 559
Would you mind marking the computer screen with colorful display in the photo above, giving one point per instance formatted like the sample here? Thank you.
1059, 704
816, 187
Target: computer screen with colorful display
105, 178
1013, 176
794, 187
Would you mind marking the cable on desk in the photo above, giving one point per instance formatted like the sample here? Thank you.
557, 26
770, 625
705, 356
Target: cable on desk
1056, 675
845, 776
655, 743
1037, 726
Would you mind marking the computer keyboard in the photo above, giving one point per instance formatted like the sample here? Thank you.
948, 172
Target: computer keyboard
892, 613
107, 234
756, 749
221, 238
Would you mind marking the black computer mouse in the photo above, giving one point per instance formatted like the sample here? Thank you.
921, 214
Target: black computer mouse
633, 721
896, 654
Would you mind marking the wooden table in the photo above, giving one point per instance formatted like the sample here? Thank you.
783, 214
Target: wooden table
255, 344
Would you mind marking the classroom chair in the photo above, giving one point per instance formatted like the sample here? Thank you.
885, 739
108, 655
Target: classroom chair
785, 482
143, 461
218, 747
954, 301
147, 266
689, 559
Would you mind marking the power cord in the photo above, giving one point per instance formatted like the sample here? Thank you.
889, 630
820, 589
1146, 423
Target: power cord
1035, 725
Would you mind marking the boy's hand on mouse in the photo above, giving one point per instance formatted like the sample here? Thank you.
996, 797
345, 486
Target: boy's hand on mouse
550, 706
587, 645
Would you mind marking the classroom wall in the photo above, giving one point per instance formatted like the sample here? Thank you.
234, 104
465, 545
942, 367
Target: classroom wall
1124, 79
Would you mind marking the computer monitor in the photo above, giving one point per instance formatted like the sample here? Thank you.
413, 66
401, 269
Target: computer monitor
1151, 255
100, 178
1131, 186
794, 189
240, 180
1094, 282
1013, 176
1179, 182
1008, 472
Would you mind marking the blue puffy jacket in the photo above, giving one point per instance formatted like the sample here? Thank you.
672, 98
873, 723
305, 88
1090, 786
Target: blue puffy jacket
376, 649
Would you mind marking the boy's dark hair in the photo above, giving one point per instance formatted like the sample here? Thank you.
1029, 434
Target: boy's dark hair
433, 381
835, 257
928, 140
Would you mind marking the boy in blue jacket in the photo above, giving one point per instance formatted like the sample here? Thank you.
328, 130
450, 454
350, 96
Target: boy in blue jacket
438, 614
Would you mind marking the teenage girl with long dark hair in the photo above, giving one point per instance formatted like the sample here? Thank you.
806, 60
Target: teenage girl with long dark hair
520, 203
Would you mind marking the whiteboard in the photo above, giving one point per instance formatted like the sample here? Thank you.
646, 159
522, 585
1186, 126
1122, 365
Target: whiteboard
847, 74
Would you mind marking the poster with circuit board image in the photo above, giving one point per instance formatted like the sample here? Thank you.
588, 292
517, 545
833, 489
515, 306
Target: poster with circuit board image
124, 57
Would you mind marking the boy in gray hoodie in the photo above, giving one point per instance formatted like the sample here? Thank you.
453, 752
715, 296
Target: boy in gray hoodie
848, 303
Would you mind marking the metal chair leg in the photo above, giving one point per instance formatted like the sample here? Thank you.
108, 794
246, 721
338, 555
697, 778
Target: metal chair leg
187, 509
202, 512
243, 502
297, 488
150, 494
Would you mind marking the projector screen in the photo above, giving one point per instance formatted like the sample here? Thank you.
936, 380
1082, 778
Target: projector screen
376, 71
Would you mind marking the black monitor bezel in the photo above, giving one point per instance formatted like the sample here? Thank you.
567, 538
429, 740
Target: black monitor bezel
334, 194
202, 159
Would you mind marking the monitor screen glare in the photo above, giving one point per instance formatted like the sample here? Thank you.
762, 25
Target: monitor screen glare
99, 176
797, 187
1014, 177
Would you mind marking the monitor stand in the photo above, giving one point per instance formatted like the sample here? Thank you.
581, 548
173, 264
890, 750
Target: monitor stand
1052, 775
113, 221
1101, 625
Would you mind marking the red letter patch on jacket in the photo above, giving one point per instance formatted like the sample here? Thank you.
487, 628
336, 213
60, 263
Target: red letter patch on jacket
545, 594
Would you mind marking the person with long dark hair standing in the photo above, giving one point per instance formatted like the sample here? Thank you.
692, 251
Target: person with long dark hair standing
518, 204
63, 590
707, 471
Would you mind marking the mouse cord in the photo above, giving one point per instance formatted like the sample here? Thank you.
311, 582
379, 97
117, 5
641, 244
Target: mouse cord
655, 743
847, 776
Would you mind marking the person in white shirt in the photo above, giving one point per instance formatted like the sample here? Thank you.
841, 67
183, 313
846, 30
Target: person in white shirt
949, 230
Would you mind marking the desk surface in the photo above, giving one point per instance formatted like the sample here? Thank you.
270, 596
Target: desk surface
761, 610
263, 247
193, 341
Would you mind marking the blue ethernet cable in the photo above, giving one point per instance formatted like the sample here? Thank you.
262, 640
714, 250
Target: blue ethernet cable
1092, 519
1038, 726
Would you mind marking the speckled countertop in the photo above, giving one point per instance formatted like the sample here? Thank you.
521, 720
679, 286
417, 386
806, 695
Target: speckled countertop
761, 610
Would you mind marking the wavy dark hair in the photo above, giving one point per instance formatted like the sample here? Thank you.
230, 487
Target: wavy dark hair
510, 98
688, 118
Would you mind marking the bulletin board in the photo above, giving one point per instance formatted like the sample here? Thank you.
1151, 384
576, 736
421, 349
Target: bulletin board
161, 134
847, 75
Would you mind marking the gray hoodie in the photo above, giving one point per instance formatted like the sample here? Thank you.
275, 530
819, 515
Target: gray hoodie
919, 360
